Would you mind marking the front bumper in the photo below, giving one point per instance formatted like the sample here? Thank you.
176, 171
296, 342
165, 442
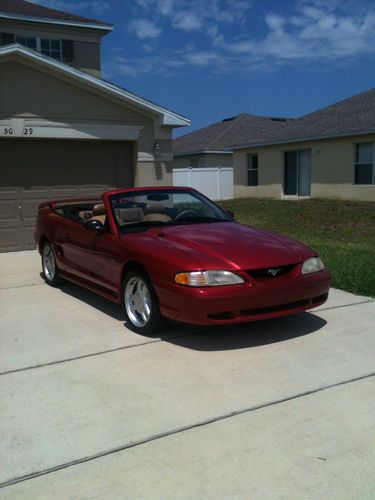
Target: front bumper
250, 301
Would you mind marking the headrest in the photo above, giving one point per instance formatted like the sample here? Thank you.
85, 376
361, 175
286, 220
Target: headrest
98, 209
127, 215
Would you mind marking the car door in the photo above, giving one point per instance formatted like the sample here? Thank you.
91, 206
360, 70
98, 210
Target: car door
103, 260
90, 255
73, 243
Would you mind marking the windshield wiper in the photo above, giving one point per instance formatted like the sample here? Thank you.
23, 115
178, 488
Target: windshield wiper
141, 226
197, 219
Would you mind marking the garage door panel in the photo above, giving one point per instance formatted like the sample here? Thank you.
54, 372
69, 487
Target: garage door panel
11, 239
8, 209
35, 171
28, 241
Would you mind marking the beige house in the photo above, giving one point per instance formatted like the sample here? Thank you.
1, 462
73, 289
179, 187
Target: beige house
329, 153
339, 167
63, 130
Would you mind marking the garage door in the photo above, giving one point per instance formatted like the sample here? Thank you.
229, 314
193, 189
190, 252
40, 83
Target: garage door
32, 172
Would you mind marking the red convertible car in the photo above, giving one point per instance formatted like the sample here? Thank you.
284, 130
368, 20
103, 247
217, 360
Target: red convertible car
171, 253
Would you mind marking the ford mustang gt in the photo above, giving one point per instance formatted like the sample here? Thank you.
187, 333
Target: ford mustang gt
171, 253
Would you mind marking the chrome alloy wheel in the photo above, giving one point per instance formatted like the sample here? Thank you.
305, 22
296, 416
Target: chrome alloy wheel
49, 266
137, 301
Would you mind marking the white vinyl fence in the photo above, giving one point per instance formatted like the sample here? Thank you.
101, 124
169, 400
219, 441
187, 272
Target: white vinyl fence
216, 183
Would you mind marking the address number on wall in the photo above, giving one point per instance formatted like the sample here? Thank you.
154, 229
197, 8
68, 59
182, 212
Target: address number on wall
7, 131
10, 131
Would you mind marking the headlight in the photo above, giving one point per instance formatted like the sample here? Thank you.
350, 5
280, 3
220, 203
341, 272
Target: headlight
312, 265
208, 278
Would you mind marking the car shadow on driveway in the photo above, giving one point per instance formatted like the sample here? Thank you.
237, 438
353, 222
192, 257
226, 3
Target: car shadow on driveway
90, 298
247, 335
213, 338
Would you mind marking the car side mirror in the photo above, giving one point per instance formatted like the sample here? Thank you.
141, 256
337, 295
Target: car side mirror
230, 213
94, 225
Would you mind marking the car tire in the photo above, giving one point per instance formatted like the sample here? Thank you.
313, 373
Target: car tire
49, 266
141, 305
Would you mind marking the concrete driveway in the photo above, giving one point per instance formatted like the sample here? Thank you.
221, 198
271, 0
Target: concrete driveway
276, 409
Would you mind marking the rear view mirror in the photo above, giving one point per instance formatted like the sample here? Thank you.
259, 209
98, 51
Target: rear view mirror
94, 225
157, 197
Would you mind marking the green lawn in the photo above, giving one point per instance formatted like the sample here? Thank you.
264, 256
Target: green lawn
341, 232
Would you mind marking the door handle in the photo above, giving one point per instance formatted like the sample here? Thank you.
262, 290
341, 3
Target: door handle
20, 211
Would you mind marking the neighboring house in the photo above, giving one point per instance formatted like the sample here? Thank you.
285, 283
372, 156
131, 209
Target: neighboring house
63, 130
329, 153
212, 146
203, 159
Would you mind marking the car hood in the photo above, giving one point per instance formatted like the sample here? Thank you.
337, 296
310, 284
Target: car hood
232, 245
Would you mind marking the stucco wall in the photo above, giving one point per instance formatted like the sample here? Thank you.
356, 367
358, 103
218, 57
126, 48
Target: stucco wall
332, 169
32, 93
87, 57
154, 173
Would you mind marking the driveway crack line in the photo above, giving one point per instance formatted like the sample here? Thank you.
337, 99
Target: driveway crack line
179, 430
93, 354
343, 305
20, 286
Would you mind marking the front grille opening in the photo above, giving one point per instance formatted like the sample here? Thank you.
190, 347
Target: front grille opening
222, 315
305, 303
271, 272
271, 309
320, 298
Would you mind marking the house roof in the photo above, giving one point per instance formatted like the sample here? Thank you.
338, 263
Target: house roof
166, 117
223, 135
352, 116
23, 10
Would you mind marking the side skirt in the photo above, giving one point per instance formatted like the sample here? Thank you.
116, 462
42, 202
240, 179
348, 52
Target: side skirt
103, 292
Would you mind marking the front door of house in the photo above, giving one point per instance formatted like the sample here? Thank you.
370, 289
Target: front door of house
297, 172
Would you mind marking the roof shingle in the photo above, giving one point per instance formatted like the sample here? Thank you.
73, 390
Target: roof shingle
351, 116
223, 135
29, 9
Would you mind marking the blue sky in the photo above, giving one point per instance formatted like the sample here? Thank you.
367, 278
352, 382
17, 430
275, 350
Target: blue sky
212, 59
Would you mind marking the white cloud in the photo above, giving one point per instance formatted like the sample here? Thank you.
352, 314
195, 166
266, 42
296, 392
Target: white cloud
201, 58
164, 7
315, 33
274, 22
187, 21
144, 29
190, 15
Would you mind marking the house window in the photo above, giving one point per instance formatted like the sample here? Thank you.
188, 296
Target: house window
364, 168
252, 170
47, 46
27, 41
51, 48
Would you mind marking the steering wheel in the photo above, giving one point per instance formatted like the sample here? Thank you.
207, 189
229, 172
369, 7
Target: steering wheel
186, 213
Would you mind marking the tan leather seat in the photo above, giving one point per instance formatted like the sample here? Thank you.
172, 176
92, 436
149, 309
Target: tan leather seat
155, 212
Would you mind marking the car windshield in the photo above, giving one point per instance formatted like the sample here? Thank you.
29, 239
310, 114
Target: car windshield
139, 210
